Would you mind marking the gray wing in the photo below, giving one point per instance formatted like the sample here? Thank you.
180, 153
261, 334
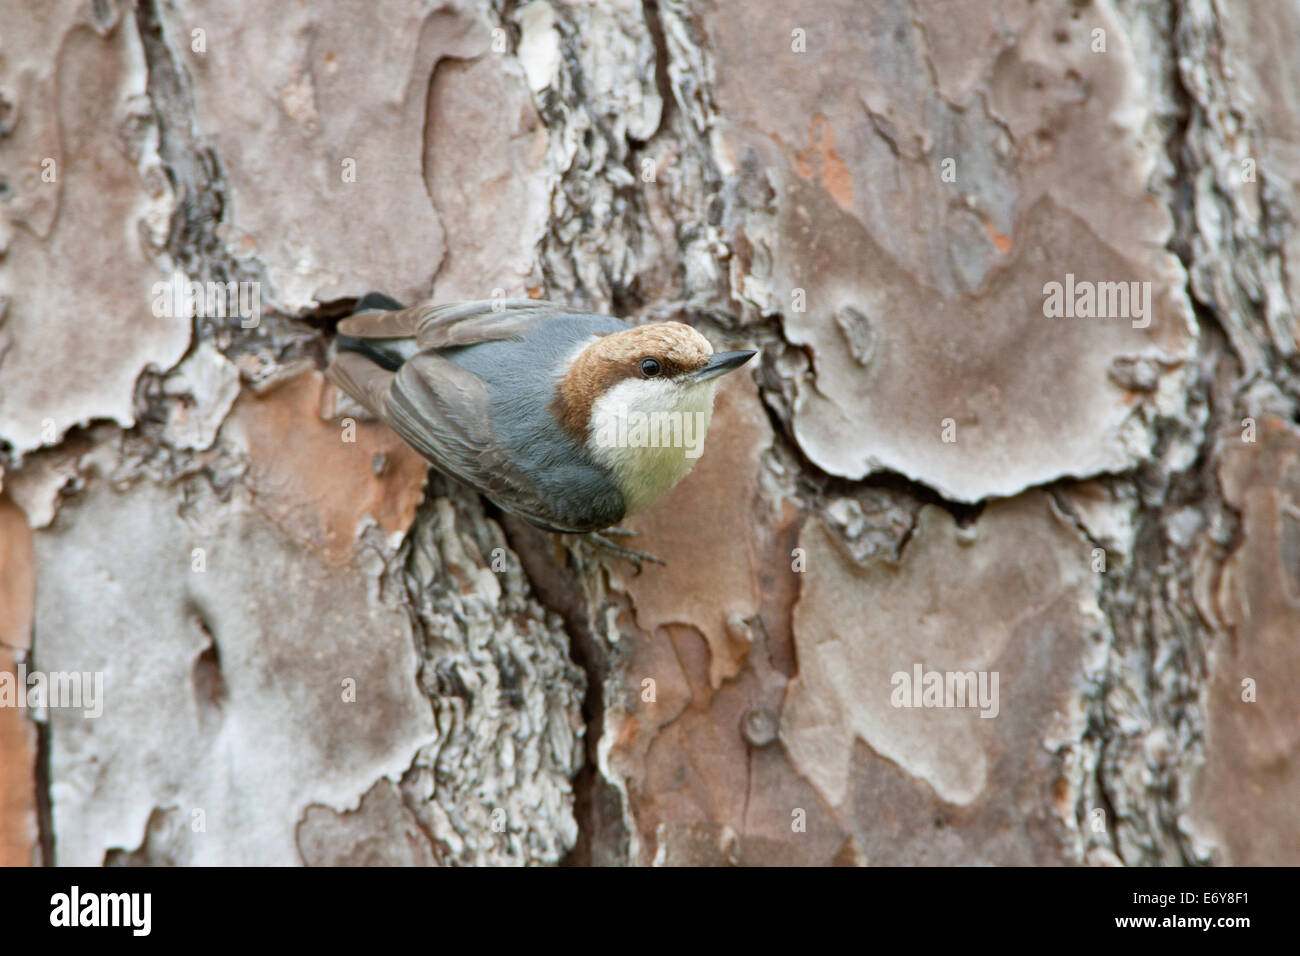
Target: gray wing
440, 405
443, 412
454, 324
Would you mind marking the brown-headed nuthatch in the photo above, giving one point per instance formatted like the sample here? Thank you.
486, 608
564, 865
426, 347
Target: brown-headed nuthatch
570, 420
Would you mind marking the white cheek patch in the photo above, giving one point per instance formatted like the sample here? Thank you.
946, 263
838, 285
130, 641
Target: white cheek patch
649, 433
648, 413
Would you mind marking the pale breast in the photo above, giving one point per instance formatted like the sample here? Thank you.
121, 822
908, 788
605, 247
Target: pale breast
649, 433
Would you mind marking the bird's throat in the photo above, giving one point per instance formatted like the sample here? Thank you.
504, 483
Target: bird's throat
649, 434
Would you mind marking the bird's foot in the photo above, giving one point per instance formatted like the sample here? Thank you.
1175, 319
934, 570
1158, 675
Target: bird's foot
631, 555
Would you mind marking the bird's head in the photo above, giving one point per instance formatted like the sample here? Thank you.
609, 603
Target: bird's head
641, 401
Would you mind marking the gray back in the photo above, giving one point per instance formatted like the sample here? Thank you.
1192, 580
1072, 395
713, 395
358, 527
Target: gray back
519, 373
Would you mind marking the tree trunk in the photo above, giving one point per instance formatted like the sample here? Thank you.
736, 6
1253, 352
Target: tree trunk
993, 558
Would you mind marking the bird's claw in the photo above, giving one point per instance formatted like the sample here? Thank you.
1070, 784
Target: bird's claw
631, 555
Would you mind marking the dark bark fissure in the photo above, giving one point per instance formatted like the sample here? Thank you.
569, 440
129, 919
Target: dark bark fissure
44, 805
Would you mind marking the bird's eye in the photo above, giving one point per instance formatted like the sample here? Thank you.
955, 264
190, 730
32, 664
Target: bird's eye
650, 367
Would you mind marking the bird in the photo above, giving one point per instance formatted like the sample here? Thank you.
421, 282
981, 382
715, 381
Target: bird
529, 402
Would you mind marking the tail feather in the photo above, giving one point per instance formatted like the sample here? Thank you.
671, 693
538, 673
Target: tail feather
380, 356
377, 302
364, 368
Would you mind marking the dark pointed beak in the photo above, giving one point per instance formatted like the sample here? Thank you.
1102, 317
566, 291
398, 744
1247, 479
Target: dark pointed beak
720, 363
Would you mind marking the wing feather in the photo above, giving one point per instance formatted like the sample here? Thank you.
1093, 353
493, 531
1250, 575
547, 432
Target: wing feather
443, 412
398, 324
362, 379
453, 324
